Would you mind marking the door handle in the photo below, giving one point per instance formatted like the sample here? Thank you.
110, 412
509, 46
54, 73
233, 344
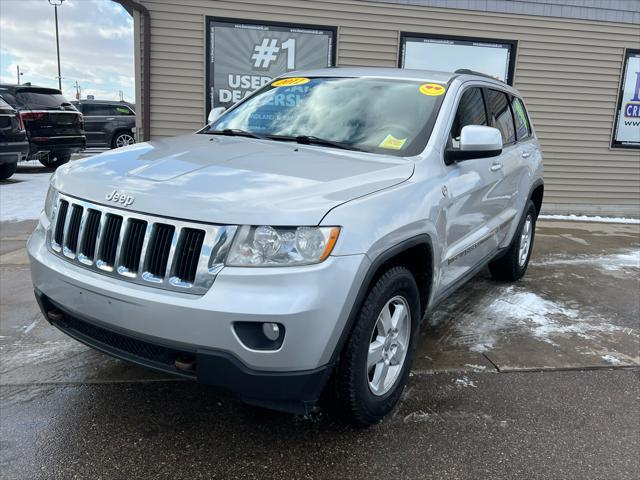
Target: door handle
111, 118
496, 166
526, 154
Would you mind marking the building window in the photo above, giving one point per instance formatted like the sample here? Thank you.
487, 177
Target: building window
626, 128
243, 56
448, 54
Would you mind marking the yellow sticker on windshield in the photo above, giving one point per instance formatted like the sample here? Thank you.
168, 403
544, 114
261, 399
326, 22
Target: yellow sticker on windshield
290, 82
432, 89
392, 142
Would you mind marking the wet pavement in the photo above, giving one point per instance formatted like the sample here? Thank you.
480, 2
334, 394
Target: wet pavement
538, 379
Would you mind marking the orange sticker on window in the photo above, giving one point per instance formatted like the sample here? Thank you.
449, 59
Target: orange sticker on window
432, 89
290, 82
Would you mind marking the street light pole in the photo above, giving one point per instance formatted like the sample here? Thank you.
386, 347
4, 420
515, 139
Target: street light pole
56, 4
19, 73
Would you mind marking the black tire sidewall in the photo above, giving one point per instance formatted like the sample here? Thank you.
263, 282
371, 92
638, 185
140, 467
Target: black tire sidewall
396, 282
7, 170
530, 211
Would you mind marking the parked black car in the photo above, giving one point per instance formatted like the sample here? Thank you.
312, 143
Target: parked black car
13, 140
107, 123
55, 129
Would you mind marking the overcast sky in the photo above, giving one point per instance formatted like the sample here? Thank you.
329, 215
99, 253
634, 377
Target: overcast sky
96, 46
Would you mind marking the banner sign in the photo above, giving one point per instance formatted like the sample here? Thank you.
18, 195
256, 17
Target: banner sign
626, 129
448, 54
242, 56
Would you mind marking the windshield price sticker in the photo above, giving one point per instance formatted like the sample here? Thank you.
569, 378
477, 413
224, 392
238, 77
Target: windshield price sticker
290, 82
392, 142
432, 89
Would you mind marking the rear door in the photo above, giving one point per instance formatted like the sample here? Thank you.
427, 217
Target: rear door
96, 118
473, 203
511, 161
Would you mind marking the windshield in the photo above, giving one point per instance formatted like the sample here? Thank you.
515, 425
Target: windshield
43, 100
371, 114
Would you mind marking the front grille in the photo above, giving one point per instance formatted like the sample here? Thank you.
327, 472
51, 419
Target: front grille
71, 240
109, 243
189, 247
159, 247
144, 249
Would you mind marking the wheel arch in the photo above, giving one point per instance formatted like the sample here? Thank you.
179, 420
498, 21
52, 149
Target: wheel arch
413, 253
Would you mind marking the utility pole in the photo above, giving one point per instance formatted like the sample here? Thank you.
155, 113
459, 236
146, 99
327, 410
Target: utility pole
19, 73
56, 4
78, 90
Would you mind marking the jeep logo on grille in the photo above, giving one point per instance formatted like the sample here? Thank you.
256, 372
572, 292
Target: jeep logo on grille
120, 197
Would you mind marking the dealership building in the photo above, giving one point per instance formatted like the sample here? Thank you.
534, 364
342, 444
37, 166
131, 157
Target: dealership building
576, 63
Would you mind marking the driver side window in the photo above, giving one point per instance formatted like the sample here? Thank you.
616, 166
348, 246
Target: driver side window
470, 111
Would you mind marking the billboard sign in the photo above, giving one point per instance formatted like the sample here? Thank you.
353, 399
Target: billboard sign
243, 56
626, 129
448, 54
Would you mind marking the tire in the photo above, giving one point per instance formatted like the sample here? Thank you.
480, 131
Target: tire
513, 264
354, 381
7, 169
56, 161
122, 139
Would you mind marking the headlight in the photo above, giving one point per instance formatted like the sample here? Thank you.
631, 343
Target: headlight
50, 202
266, 246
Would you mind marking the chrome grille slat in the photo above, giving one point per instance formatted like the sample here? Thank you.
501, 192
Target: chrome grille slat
191, 250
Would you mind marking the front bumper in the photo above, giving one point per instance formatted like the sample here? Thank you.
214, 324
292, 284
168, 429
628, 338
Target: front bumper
312, 303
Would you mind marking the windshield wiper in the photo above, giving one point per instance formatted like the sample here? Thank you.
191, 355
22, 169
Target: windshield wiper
311, 140
238, 132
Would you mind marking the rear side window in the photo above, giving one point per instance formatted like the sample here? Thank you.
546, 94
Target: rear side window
501, 117
120, 110
96, 109
523, 129
470, 111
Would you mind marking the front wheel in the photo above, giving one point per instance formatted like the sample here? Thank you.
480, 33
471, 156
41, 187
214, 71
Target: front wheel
513, 264
55, 162
374, 366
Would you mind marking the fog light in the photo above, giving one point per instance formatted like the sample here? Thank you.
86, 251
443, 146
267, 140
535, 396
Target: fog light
271, 331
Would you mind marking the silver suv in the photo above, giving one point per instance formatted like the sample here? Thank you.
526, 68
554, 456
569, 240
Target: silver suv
296, 242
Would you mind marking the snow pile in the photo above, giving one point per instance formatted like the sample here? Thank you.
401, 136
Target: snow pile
22, 196
585, 218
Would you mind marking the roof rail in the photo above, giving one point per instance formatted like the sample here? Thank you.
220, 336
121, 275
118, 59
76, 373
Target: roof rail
466, 71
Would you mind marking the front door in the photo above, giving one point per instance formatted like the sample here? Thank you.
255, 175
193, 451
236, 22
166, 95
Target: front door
475, 200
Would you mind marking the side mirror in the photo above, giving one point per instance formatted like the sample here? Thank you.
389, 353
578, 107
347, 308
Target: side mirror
215, 113
476, 141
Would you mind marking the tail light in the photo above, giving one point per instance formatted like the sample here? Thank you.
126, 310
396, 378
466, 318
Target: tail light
27, 116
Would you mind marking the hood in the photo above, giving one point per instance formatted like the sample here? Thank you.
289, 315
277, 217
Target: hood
231, 180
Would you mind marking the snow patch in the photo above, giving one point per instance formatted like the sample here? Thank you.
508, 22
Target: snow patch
476, 368
22, 196
611, 359
464, 382
612, 262
417, 417
585, 218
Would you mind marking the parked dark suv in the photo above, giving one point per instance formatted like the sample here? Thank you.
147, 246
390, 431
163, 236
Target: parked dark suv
55, 129
13, 140
108, 123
